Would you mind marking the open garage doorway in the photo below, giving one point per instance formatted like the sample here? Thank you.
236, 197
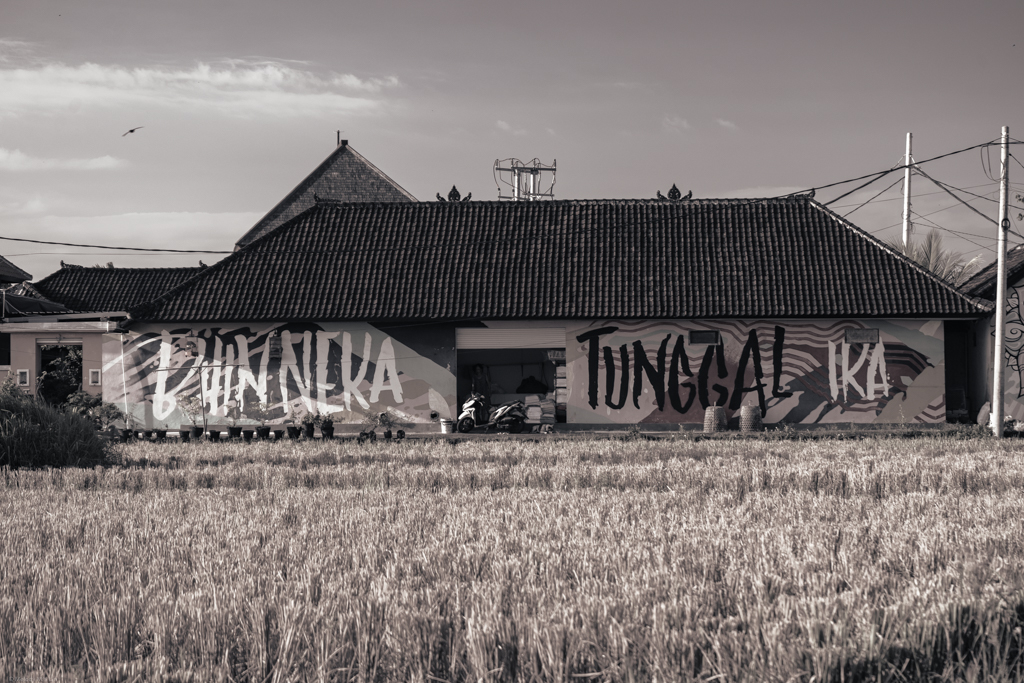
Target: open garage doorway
507, 365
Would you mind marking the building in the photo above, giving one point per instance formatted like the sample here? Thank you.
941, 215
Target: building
979, 342
75, 307
625, 311
344, 176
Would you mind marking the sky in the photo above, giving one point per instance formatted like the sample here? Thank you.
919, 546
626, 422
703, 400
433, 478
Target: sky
239, 101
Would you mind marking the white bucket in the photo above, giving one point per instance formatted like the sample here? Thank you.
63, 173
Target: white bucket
447, 426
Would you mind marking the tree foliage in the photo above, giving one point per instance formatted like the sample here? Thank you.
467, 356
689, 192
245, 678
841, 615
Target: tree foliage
932, 255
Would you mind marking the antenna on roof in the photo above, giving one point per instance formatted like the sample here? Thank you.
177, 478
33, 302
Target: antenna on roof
526, 180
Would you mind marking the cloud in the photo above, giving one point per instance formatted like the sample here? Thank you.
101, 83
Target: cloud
373, 85
675, 124
11, 50
508, 128
726, 124
233, 88
16, 160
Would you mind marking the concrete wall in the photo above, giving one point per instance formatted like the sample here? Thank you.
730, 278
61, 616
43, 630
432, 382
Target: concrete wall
618, 372
795, 371
345, 369
25, 352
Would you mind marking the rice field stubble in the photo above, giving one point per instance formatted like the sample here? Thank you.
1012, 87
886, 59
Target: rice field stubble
878, 559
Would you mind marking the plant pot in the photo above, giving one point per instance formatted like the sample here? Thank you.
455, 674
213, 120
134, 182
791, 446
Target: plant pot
387, 433
126, 434
147, 434
161, 435
327, 431
197, 432
308, 430
234, 432
263, 433
247, 435
278, 434
184, 434
214, 435
294, 432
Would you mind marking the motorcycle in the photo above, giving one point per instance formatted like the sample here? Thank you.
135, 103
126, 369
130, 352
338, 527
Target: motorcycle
510, 416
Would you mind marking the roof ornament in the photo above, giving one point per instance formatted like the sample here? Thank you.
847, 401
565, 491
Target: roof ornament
454, 197
674, 195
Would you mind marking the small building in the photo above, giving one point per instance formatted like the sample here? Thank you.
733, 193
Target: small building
75, 307
979, 342
615, 311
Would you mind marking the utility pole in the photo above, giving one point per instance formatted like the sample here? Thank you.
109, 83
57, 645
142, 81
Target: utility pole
998, 362
906, 198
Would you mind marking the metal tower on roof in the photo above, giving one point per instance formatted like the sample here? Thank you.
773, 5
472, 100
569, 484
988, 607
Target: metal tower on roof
526, 181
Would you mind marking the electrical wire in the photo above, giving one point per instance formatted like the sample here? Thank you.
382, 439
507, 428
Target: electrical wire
875, 197
966, 236
363, 250
98, 246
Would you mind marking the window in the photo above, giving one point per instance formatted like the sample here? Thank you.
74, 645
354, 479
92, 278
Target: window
705, 337
94, 378
23, 378
869, 336
5, 348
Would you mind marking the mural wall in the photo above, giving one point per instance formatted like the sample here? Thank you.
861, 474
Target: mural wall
348, 370
1013, 353
794, 371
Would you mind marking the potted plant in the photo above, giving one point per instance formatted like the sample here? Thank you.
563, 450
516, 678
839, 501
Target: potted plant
232, 415
260, 413
309, 422
387, 421
294, 431
326, 424
193, 409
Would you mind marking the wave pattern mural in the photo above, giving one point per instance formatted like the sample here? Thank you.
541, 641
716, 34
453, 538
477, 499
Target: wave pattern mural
796, 372
347, 370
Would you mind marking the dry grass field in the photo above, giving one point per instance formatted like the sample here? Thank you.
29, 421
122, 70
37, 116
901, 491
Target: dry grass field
877, 559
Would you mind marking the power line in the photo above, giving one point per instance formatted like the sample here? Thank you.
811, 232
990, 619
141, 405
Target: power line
100, 246
873, 177
874, 198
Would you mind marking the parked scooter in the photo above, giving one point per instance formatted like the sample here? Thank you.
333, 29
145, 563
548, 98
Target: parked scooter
509, 416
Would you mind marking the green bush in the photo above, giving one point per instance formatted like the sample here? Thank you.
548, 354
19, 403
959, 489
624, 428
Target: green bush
34, 434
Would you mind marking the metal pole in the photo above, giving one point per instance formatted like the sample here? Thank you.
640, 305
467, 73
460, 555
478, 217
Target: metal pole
998, 362
907, 227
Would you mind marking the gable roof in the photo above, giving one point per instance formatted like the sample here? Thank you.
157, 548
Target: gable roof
12, 273
983, 283
97, 289
344, 176
717, 258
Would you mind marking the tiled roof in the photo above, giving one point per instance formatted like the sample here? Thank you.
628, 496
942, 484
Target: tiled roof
983, 283
787, 257
87, 289
12, 273
17, 305
344, 176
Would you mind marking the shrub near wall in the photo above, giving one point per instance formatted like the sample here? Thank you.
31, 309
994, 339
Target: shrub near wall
34, 434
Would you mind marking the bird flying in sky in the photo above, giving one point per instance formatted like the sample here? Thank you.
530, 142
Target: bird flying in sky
133, 130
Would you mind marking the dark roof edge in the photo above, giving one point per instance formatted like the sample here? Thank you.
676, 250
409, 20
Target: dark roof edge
983, 305
140, 309
316, 173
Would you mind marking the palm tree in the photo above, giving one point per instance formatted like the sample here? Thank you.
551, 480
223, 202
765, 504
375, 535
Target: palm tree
932, 256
